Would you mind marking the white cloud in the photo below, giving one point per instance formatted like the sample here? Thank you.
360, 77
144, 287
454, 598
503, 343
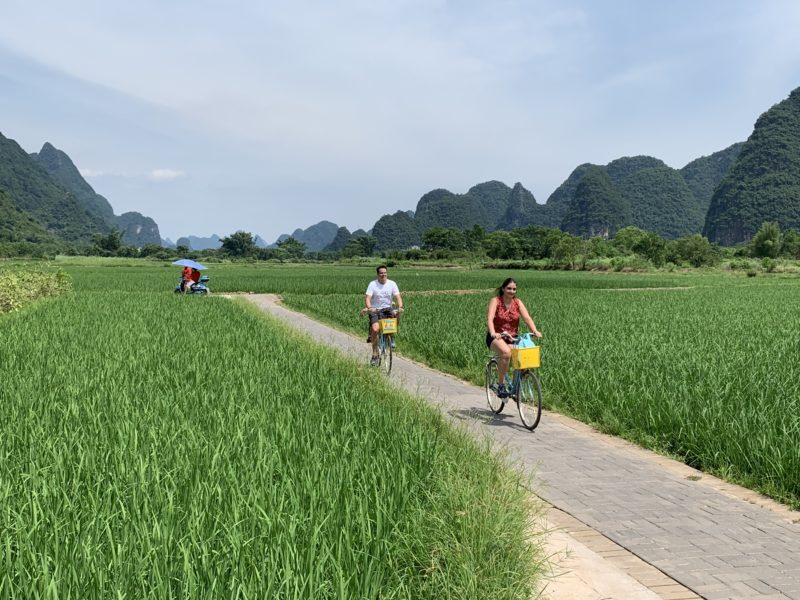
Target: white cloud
90, 172
159, 175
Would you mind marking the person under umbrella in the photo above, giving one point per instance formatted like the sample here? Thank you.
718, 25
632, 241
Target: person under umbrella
186, 279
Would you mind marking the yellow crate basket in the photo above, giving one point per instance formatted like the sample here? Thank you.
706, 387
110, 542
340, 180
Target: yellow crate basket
526, 358
388, 326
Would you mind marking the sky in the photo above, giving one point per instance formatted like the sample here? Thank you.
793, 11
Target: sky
267, 116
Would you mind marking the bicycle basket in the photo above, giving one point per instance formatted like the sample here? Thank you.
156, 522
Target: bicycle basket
388, 326
526, 358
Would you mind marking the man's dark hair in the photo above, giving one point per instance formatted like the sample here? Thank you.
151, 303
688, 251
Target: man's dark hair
382, 267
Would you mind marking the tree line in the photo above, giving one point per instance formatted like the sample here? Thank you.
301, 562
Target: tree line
549, 247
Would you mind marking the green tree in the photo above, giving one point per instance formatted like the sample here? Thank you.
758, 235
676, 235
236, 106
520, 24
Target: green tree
627, 237
294, 249
566, 250
598, 247
240, 244
150, 250
108, 243
767, 242
790, 246
502, 244
363, 245
537, 242
652, 247
473, 238
695, 250
443, 238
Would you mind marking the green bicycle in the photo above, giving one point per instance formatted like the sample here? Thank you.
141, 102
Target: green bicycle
522, 384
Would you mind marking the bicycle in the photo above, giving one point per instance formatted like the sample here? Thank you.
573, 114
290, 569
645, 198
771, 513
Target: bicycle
523, 385
387, 329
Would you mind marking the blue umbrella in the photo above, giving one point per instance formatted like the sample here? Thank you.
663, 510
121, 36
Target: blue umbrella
188, 262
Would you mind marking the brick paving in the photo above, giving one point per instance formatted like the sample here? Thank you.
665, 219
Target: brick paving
691, 535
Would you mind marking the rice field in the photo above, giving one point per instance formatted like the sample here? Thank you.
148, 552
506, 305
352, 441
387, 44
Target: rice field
160, 446
705, 371
701, 366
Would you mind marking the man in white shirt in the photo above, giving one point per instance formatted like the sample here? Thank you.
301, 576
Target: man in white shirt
379, 296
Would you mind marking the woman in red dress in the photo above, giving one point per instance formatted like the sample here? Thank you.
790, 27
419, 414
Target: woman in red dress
502, 320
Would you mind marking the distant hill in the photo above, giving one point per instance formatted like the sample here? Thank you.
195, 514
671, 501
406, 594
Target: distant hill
597, 208
200, 243
17, 226
35, 193
655, 197
660, 201
339, 241
316, 237
704, 174
396, 231
764, 182
491, 205
442, 208
558, 203
61, 169
521, 209
137, 230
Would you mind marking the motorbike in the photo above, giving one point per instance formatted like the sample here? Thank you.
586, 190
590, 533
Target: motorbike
201, 287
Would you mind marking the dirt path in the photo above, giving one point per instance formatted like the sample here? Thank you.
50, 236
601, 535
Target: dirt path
630, 524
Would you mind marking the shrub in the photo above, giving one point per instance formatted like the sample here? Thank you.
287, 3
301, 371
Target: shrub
769, 264
21, 287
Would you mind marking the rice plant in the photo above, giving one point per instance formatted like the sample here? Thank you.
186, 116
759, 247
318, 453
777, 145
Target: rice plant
707, 374
158, 446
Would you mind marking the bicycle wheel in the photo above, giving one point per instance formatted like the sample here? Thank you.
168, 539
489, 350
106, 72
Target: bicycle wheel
529, 399
386, 353
492, 379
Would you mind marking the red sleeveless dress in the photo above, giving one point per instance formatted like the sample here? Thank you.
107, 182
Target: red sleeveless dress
506, 319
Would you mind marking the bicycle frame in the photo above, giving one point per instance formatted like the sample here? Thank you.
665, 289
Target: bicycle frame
522, 385
385, 345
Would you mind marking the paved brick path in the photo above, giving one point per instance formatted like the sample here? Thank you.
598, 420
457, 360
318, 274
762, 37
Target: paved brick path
703, 537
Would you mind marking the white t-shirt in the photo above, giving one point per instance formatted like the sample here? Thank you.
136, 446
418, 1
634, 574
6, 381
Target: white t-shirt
382, 293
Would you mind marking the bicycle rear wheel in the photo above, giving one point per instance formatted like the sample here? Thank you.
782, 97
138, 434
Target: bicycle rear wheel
386, 353
492, 380
529, 399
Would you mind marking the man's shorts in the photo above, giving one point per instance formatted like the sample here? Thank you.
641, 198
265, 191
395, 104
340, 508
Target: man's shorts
383, 313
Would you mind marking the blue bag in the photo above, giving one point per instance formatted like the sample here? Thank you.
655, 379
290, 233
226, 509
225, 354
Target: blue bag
526, 341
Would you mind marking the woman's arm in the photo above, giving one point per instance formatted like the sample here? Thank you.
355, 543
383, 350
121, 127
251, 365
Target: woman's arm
490, 317
528, 320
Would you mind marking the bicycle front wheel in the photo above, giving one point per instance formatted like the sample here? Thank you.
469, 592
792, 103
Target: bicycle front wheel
496, 403
386, 354
529, 399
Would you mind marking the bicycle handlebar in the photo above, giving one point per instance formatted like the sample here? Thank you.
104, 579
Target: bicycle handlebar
509, 339
376, 310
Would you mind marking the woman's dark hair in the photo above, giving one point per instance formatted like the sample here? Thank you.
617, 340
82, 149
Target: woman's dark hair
505, 285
